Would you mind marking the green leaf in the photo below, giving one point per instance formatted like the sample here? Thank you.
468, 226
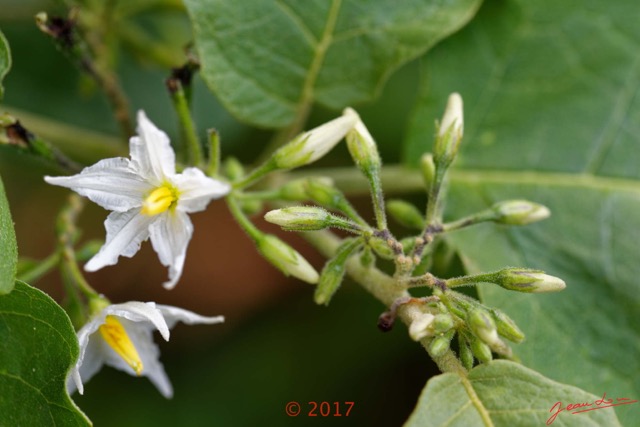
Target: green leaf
5, 60
506, 394
268, 61
552, 115
8, 246
38, 346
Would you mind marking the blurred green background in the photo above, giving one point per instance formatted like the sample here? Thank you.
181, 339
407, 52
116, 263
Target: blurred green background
276, 345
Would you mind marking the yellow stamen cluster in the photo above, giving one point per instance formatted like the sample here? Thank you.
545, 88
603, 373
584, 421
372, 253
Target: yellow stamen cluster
159, 200
115, 335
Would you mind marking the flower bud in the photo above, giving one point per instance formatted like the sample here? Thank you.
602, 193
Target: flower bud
285, 258
483, 326
300, 218
449, 132
420, 327
333, 272
428, 169
519, 212
526, 280
442, 323
362, 147
406, 214
381, 248
440, 344
480, 350
295, 190
466, 355
324, 193
233, 169
311, 145
507, 327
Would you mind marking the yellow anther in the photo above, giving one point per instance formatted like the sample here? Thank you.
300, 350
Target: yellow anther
159, 200
114, 334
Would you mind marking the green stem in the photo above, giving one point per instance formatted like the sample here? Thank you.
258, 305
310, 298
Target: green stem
242, 219
213, 166
189, 133
67, 232
42, 268
255, 175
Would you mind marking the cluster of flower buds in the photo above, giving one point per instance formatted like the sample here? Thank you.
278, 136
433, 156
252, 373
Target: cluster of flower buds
480, 329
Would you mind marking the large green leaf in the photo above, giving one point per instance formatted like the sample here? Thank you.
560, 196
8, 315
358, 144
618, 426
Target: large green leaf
506, 394
5, 60
8, 247
269, 60
552, 115
37, 348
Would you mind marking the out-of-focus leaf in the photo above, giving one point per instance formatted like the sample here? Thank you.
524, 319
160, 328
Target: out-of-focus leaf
509, 395
8, 246
552, 114
5, 60
269, 60
38, 346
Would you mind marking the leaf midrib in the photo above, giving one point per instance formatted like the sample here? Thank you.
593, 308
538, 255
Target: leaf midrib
398, 179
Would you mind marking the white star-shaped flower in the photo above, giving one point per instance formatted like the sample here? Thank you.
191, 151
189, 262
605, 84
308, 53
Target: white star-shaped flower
120, 335
148, 199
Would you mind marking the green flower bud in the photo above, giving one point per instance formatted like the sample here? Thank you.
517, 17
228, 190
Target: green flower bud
300, 218
442, 323
420, 327
507, 327
450, 132
483, 326
333, 272
251, 206
527, 280
440, 344
381, 248
362, 147
519, 212
311, 145
295, 190
285, 258
233, 169
406, 214
466, 355
480, 350
325, 194
428, 169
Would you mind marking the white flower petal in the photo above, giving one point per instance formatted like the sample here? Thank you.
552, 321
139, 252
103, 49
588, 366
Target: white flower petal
151, 152
125, 232
140, 312
173, 315
111, 183
87, 350
197, 190
94, 357
170, 235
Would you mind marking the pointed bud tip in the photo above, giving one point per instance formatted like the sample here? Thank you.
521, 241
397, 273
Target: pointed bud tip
453, 116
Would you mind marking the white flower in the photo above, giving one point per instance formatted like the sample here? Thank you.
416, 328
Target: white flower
148, 199
120, 335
